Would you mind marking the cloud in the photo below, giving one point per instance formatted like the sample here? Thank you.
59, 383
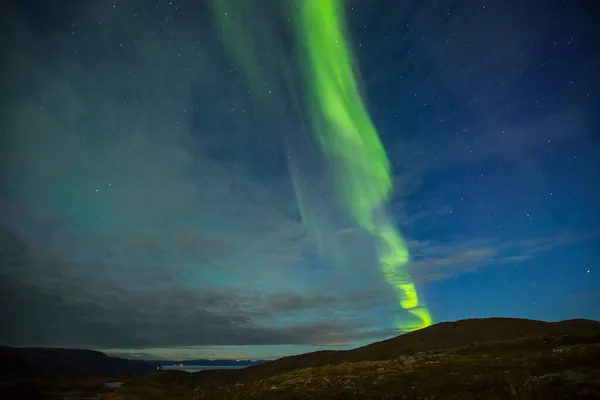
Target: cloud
439, 261
137, 208
586, 295
142, 212
101, 155
48, 302
76, 317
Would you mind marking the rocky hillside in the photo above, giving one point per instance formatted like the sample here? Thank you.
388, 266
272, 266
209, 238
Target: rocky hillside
445, 335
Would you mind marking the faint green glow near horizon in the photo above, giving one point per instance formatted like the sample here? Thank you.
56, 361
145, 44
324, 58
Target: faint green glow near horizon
345, 133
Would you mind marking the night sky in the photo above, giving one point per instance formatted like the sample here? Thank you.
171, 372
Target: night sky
149, 199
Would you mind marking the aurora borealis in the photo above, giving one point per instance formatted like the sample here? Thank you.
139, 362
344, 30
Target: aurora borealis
345, 133
253, 178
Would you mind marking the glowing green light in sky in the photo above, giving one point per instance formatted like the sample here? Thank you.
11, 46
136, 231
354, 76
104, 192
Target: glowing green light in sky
344, 130
348, 137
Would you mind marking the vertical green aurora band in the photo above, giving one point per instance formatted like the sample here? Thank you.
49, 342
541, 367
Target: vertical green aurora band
348, 139
347, 136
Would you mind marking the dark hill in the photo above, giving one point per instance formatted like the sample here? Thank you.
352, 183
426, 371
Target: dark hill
31, 361
445, 335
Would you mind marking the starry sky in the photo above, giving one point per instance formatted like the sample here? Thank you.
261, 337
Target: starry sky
147, 205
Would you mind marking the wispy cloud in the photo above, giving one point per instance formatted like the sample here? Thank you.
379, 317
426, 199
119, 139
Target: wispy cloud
586, 295
143, 216
148, 308
438, 261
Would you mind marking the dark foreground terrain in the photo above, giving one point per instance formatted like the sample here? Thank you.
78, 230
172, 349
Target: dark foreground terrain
495, 358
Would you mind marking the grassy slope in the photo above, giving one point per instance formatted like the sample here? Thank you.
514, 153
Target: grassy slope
493, 358
445, 335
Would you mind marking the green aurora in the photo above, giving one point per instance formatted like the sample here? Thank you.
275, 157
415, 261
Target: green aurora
340, 123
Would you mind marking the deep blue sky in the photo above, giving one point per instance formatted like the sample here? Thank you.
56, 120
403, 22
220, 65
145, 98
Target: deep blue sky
147, 203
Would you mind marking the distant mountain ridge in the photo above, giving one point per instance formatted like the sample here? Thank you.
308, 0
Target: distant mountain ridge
32, 361
216, 363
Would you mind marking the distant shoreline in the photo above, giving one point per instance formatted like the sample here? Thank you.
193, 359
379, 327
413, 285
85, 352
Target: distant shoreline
197, 368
